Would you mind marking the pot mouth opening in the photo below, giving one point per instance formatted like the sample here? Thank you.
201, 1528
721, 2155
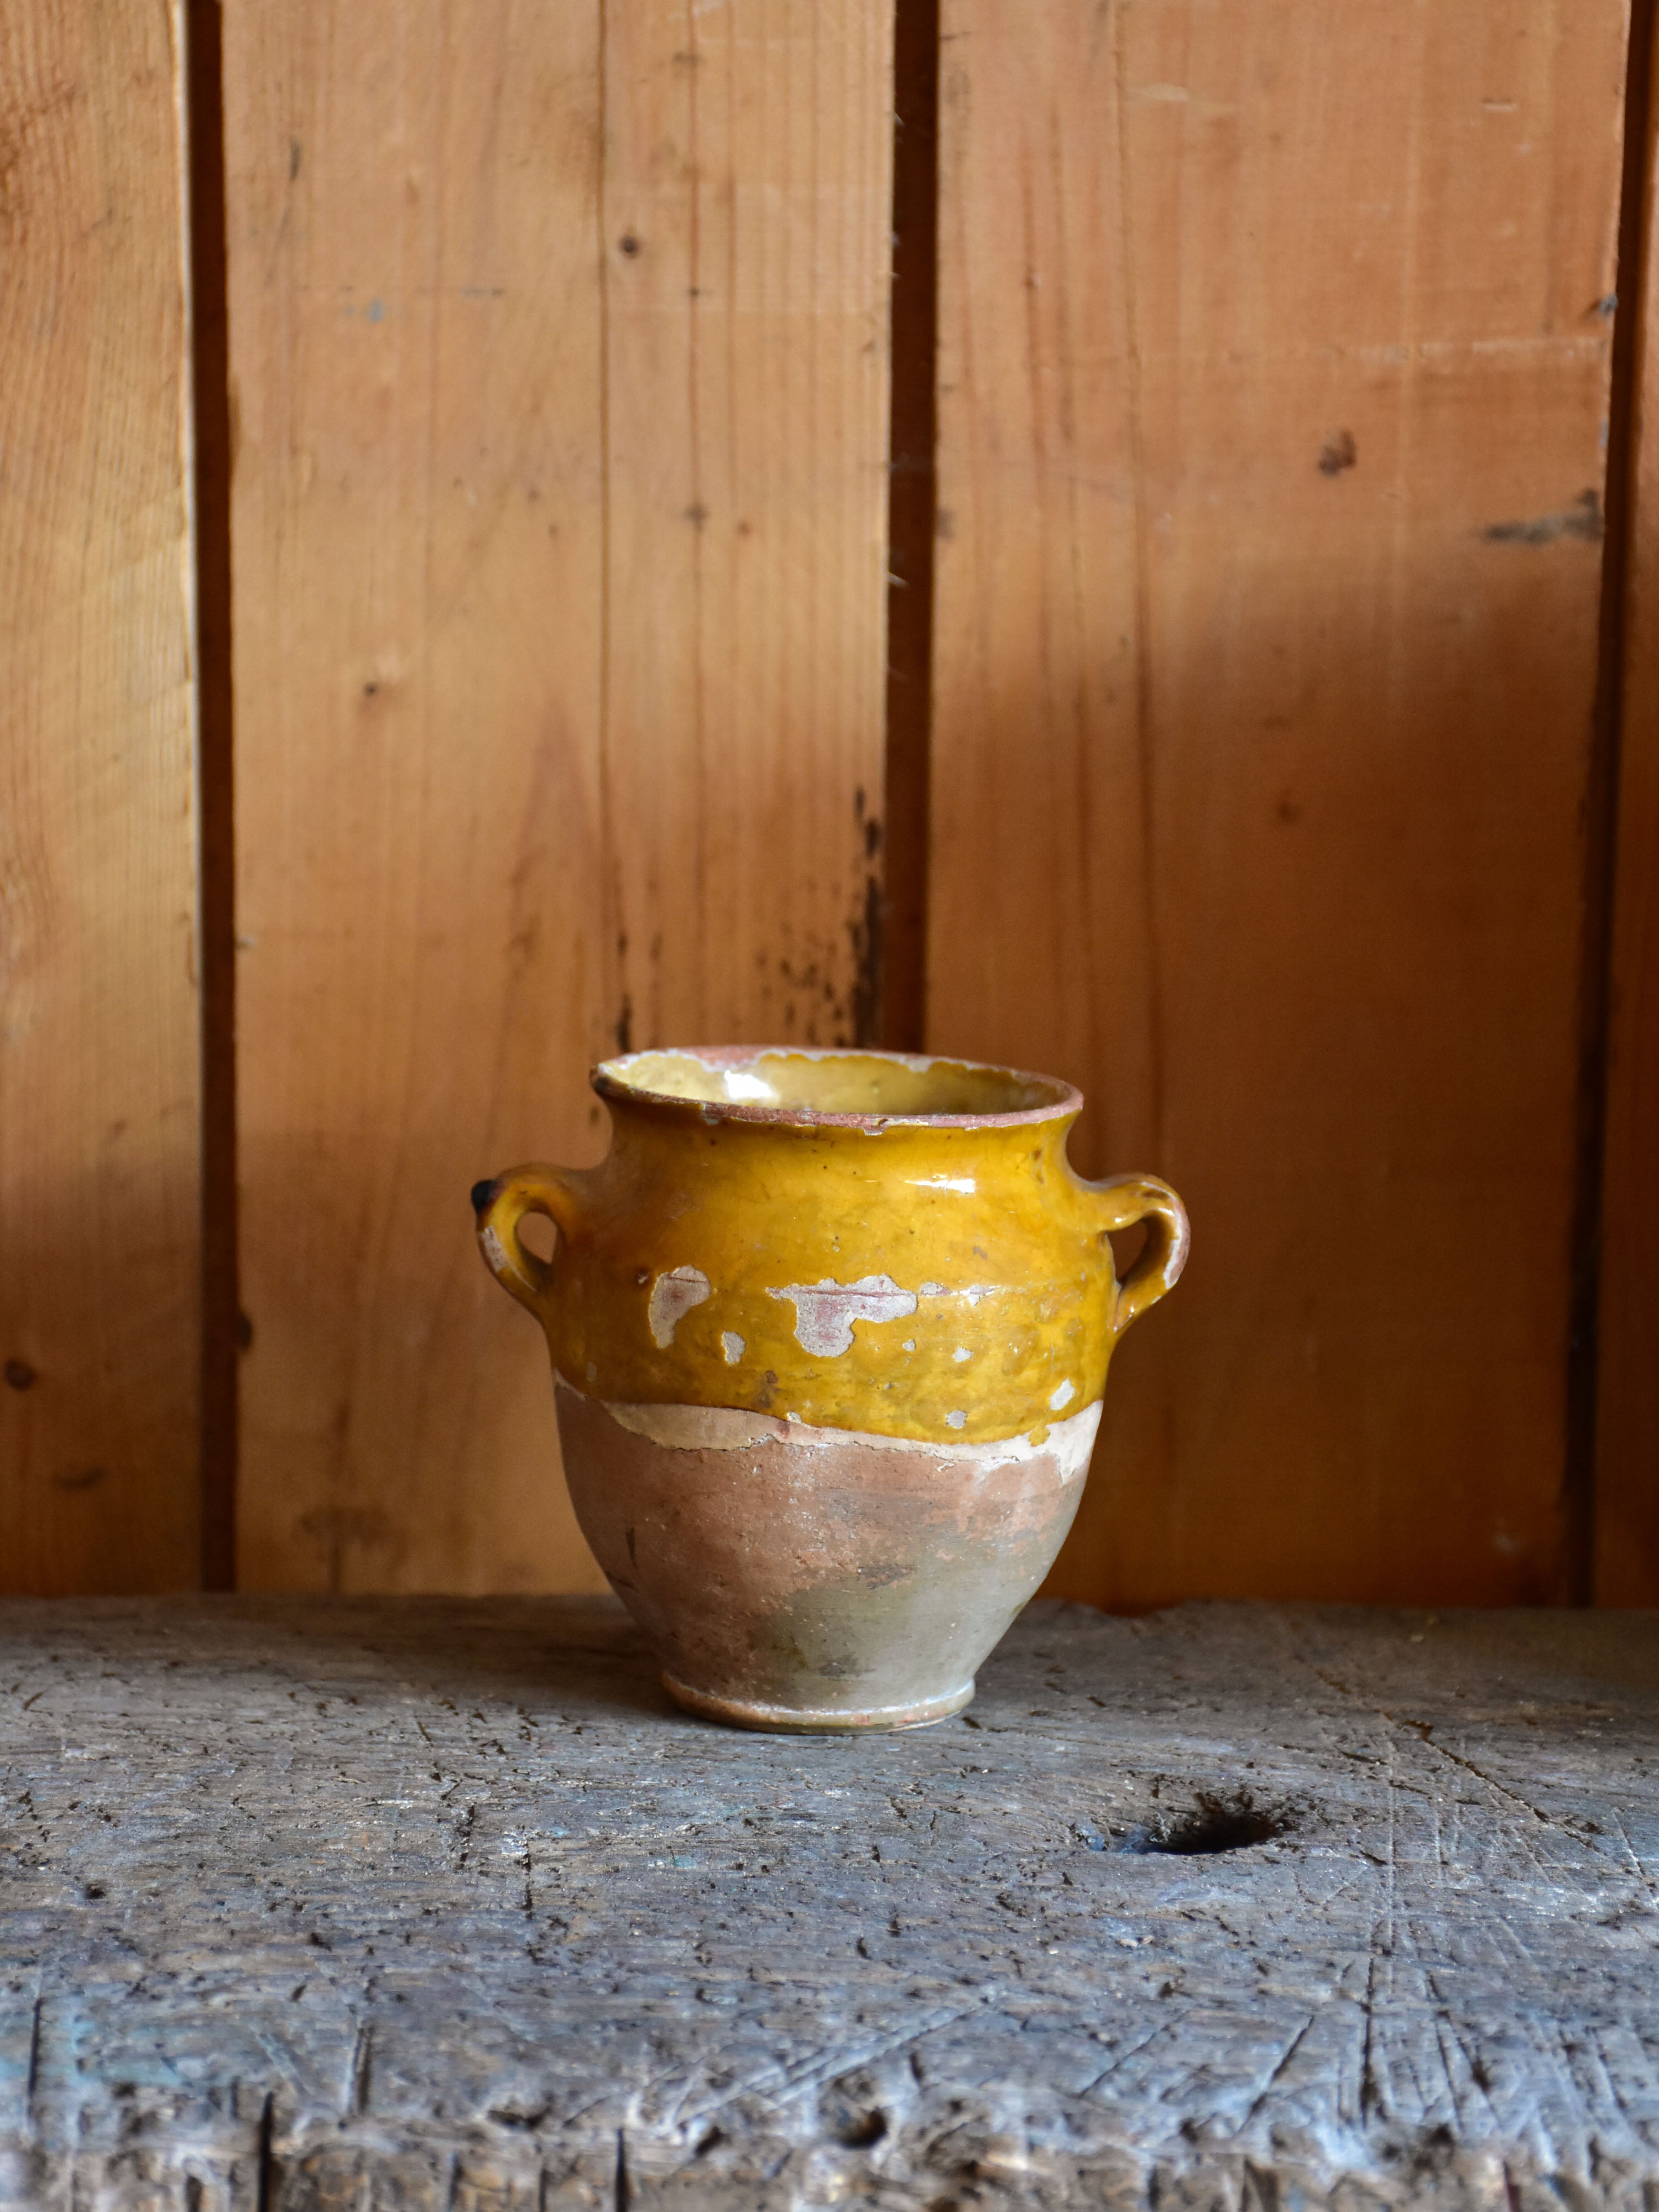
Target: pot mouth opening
840, 1085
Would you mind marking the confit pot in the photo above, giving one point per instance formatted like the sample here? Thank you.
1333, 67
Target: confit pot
829, 1333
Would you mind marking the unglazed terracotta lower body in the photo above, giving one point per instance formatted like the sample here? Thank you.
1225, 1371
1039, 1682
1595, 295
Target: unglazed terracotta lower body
806, 1578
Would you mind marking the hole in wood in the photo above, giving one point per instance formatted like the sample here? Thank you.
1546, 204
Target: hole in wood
1214, 1825
859, 2132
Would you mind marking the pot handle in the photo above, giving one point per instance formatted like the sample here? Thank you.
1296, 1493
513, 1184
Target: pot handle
500, 1205
1130, 1199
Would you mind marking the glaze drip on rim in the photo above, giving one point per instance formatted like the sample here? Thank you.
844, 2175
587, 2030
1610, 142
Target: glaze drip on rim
835, 1084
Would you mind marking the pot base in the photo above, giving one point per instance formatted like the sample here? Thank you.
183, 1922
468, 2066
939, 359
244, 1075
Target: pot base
817, 1580
797, 1720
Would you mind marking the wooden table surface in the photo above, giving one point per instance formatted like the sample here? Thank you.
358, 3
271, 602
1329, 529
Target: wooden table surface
439, 1903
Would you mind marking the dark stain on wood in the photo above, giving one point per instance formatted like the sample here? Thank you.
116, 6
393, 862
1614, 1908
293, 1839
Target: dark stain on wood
1582, 520
868, 933
86, 1477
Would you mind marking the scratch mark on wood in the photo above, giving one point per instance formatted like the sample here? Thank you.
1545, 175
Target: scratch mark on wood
723, 2004
361, 2080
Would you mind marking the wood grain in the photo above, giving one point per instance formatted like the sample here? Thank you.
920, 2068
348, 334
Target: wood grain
99, 1090
1273, 384
1236, 1907
1626, 1497
558, 348
418, 535
747, 218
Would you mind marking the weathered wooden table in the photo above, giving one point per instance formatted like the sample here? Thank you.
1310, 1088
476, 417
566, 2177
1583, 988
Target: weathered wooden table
440, 1904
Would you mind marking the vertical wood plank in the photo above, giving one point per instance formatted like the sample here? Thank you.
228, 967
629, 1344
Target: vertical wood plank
747, 209
1626, 1567
99, 1089
415, 344
558, 341
1273, 396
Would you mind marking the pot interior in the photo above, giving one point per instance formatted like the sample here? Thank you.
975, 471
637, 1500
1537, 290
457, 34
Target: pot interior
835, 1083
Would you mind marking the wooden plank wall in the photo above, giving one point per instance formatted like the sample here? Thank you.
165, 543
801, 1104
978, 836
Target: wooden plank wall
99, 1085
558, 344
1273, 397
1272, 407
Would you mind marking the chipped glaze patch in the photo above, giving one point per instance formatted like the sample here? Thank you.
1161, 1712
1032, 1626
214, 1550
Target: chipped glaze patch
729, 1428
494, 1250
732, 1346
695, 1428
673, 1297
1064, 1394
969, 1293
825, 1311
961, 1355
957, 1418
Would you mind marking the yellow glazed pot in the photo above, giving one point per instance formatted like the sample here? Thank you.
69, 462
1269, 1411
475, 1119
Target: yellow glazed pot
829, 1333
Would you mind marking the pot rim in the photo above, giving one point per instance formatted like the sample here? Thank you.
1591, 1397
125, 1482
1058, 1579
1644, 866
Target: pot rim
609, 1080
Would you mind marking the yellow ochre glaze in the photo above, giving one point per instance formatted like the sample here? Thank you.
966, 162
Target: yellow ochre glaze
855, 1240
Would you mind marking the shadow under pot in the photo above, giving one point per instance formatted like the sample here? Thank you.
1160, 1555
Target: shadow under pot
829, 1333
